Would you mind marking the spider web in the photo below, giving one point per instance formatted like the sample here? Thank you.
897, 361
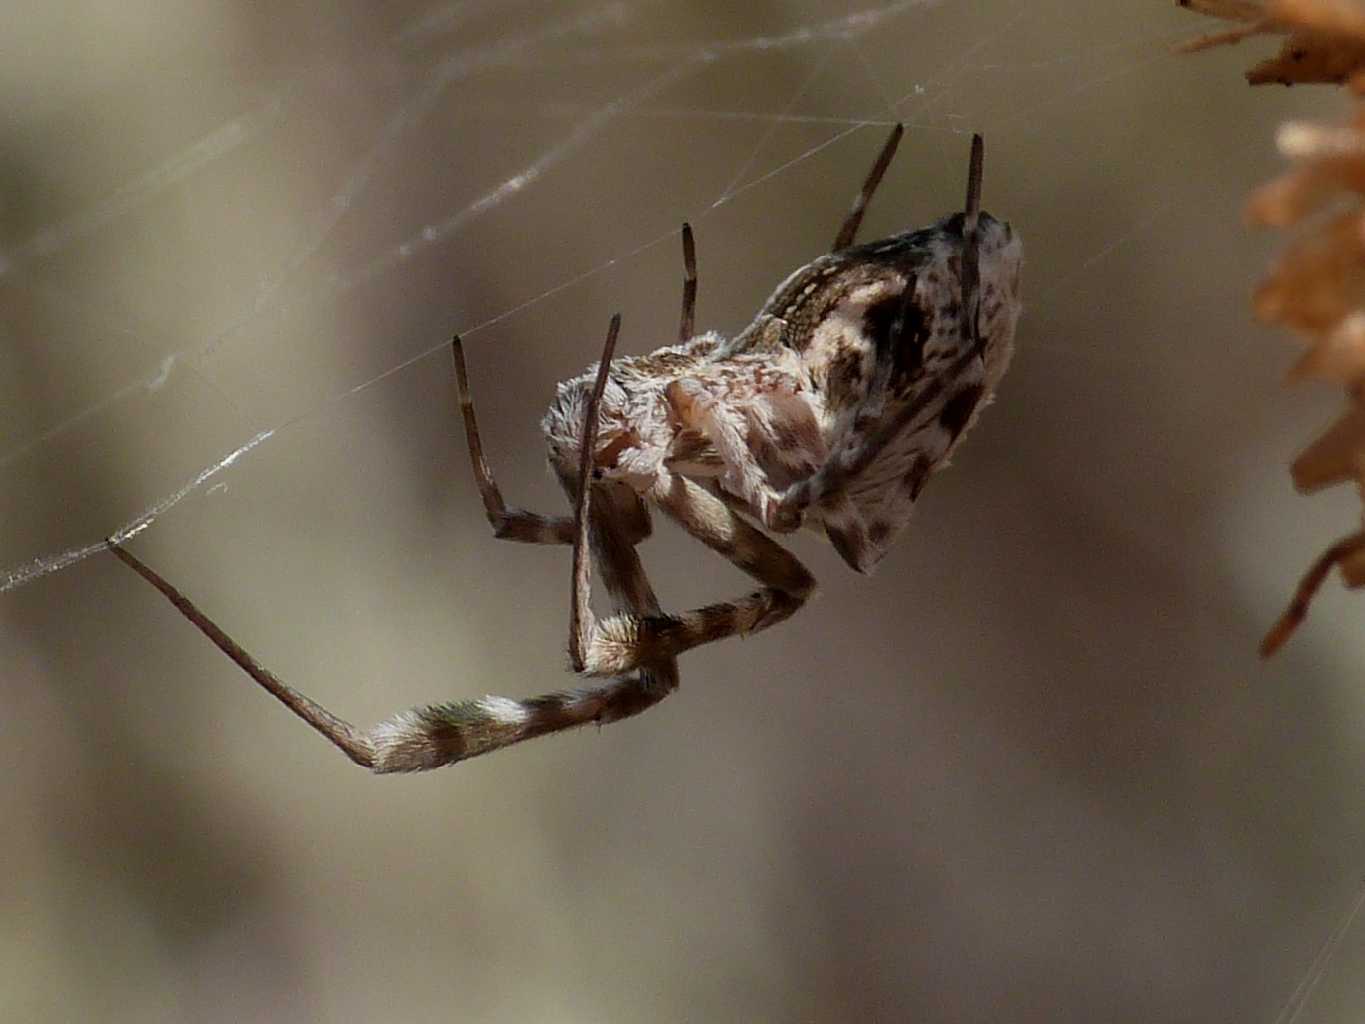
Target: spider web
436, 67
234, 252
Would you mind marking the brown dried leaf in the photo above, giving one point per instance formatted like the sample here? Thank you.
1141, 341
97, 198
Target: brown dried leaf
1320, 280
1318, 286
1335, 456
1228, 10
1310, 57
1340, 356
1291, 197
1326, 38
1212, 39
1353, 570
1330, 17
1331, 159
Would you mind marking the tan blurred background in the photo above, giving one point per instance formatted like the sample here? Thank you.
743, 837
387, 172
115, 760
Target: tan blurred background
1031, 770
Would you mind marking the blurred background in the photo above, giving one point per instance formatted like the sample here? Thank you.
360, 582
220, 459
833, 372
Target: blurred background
1032, 769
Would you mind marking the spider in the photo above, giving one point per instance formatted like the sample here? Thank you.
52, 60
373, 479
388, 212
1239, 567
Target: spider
854, 383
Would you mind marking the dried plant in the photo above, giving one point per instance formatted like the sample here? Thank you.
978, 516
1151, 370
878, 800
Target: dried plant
1317, 288
1325, 39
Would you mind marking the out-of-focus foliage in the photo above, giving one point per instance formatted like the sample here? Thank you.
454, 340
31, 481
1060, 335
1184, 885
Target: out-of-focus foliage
1325, 39
1317, 287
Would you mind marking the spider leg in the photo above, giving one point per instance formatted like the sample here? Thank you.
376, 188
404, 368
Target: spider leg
628, 641
508, 523
582, 623
355, 744
689, 299
849, 230
787, 584
625, 641
440, 734
971, 246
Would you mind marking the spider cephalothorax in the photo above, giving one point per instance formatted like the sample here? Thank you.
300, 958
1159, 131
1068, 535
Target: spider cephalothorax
854, 383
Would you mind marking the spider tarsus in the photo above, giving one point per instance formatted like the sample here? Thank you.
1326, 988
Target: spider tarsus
493, 504
973, 205
355, 744
971, 249
457, 350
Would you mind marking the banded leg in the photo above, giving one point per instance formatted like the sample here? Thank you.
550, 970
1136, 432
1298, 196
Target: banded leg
440, 734
429, 737
435, 735
508, 523
623, 642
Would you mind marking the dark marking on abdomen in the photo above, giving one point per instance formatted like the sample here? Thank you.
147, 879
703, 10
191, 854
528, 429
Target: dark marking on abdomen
958, 409
904, 348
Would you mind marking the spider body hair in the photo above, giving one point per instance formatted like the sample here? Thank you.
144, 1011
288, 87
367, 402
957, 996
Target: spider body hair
854, 339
